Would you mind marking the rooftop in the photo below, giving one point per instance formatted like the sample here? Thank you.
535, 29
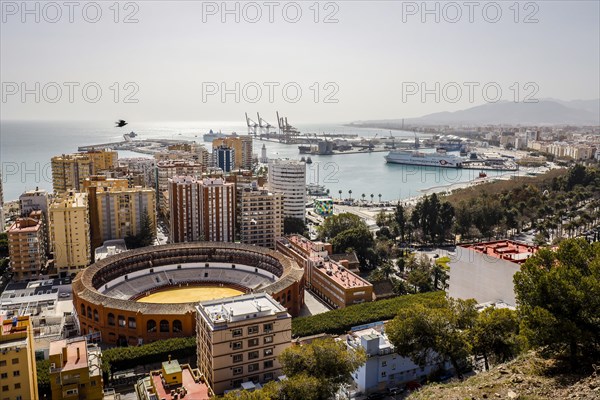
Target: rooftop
195, 389
25, 225
340, 275
76, 354
239, 308
505, 250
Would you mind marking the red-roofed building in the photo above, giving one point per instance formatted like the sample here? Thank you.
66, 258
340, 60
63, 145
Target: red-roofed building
484, 271
332, 281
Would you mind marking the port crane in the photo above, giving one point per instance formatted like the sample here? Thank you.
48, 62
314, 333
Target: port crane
251, 125
263, 125
284, 127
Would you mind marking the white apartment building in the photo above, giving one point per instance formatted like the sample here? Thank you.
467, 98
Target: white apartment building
289, 178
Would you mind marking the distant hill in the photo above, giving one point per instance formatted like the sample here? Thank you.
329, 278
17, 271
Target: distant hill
544, 112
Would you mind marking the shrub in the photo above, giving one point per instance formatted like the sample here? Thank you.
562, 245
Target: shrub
341, 320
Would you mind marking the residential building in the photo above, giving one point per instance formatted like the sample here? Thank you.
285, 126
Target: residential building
224, 158
239, 339
27, 246
242, 145
140, 166
37, 200
70, 233
70, 170
201, 209
289, 177
75, 370
121, 211
261, 218
18, 373
93, 185
185, 381
384, 367
330, 280
171, 168
484, 271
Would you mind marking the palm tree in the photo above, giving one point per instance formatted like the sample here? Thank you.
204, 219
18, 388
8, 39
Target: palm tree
379, 195
350, 193
340, 192
363, 196
372, 195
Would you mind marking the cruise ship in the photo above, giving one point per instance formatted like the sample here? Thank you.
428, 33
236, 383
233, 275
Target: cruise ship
210, 136
437, 159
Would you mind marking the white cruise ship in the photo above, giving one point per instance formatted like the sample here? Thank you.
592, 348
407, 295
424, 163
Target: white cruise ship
437, 159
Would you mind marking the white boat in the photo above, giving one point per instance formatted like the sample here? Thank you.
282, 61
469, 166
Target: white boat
210, 136
438, 159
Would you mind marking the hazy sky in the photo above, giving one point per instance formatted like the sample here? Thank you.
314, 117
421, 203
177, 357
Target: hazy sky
373, 60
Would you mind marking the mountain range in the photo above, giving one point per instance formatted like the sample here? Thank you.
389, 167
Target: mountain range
544, 112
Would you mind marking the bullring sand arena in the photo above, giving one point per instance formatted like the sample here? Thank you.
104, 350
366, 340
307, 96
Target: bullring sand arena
190, 294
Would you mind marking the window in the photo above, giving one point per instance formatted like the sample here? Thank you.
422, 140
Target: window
177, 326
268, 364
5, 388
237, 345
16, 373
252, 355
384, 363
236, 383
383, 374
4, 375
236, 332
151, 326
15, 361
96, 316
164, 325
17, 386
238, 370
267, 328
253, 330
268, 376
121, 321
72, 392
238, 358
253, 367
111, 319
268, 352
3, 363
89, 312
132, 322
268, 339
253, 342
83, 310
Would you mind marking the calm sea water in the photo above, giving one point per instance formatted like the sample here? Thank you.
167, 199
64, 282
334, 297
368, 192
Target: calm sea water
26, 149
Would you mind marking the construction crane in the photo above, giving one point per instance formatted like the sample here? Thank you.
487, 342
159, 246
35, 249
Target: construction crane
251, 125
284, 127
371, 146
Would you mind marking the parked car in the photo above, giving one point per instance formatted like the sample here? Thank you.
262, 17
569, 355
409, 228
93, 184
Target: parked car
375, 396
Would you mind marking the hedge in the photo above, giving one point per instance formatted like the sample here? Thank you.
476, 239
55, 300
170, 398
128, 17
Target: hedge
43, 377
341, 320
120, 358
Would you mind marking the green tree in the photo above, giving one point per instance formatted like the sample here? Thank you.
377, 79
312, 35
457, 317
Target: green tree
558, 298
383, 272
434, 334
495, 335
3, 244
359, 240
293, 225
326, 360
336, 224
147, 234
400, 219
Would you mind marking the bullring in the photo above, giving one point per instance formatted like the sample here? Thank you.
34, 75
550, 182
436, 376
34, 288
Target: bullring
107, 294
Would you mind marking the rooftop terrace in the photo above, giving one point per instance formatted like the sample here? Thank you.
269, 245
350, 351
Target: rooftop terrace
505, 249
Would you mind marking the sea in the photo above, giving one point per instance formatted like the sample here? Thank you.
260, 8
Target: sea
27, 146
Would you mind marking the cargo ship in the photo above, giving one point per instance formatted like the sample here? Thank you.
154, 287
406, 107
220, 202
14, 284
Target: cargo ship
438, 159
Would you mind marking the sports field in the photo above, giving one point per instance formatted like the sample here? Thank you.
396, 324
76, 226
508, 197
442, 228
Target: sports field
190, 294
